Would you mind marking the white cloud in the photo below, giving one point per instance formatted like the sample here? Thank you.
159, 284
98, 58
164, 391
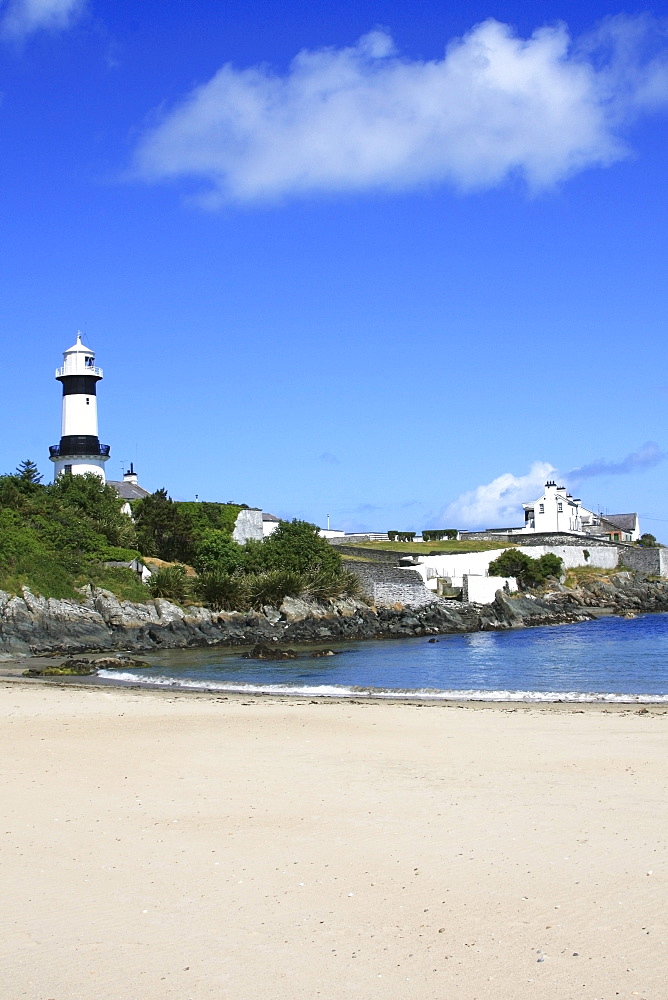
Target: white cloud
497, 504
359, 118
25, 16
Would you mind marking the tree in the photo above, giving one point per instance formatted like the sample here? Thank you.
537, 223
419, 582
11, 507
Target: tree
94, 502
647, 541
161, 530
28, 472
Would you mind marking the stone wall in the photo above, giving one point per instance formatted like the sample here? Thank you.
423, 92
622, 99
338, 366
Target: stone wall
375, 555
653, 562
248, 525
389, 585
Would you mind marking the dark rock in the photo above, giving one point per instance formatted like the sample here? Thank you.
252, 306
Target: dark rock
262, 652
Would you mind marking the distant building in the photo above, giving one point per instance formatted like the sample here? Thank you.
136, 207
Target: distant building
558, 511
129, 489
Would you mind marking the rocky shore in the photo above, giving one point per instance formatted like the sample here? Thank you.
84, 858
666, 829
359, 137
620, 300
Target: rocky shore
31, 625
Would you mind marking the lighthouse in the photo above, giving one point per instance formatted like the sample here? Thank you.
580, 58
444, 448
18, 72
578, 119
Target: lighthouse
79, 450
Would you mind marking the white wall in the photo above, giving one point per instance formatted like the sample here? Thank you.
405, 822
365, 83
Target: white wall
457, 564
80, 466
79, 415
482, 589
601, 556
248, 525
269, 527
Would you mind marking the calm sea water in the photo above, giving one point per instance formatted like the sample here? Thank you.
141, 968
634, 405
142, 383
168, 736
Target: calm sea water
612, 659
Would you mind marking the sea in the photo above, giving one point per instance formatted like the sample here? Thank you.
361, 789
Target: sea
609, 660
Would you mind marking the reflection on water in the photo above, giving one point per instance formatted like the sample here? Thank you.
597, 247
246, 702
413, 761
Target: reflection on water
608, 656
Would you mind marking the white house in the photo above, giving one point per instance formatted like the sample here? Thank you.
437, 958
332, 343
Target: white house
558, 510
129, 489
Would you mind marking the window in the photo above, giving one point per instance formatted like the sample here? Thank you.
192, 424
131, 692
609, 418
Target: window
560, 508
68, 468
87, 401
541, 508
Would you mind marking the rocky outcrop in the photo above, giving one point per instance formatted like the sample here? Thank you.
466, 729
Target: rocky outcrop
101, 622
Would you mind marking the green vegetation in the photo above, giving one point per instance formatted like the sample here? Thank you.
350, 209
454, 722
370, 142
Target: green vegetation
173, 531
648, 541
170, 582
527, 571
55, 538
401, 536
293, 562
439, 534
579, 575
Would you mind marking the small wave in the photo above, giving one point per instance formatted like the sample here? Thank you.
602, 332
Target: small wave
417, 694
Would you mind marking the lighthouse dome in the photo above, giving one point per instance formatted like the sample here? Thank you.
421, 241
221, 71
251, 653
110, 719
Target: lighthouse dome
78, 360
79, 348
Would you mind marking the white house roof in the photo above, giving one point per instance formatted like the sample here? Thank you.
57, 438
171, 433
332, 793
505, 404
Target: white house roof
128, 491
269, 517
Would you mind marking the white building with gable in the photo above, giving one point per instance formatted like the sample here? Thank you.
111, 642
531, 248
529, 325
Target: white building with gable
558, 510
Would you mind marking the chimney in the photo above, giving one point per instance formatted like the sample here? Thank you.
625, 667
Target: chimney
130, 476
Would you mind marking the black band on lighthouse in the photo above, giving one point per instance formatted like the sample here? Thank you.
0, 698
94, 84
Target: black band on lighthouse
80, 444
78, 385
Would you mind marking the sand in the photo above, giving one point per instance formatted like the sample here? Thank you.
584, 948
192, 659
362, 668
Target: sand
159, 846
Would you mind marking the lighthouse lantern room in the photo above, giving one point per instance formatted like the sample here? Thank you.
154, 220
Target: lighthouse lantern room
79, 450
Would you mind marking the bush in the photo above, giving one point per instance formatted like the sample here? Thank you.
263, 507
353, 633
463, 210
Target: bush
220, 590
170, 582
216, 550
296, 546
647, 541
439, 534
327, 584
527, 571
273, 587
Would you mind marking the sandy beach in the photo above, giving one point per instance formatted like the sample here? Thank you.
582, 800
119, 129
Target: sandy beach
172, 846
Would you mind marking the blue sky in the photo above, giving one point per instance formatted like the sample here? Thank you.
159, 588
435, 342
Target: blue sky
397, 278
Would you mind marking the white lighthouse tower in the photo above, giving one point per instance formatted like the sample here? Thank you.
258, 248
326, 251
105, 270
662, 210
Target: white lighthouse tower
79, 450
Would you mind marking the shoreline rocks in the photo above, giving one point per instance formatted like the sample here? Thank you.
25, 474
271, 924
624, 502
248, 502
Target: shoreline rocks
32, 625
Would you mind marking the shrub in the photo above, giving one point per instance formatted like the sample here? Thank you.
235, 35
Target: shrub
327, 584
296, 546
273, 586
170, 582
220, 590
216, 550
527, 571
647, 541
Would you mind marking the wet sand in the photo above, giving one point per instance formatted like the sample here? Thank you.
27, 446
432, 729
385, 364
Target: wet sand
176, 846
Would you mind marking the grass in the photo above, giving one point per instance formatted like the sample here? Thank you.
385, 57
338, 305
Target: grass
124, 583
579, 575
431, 548
51, 577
